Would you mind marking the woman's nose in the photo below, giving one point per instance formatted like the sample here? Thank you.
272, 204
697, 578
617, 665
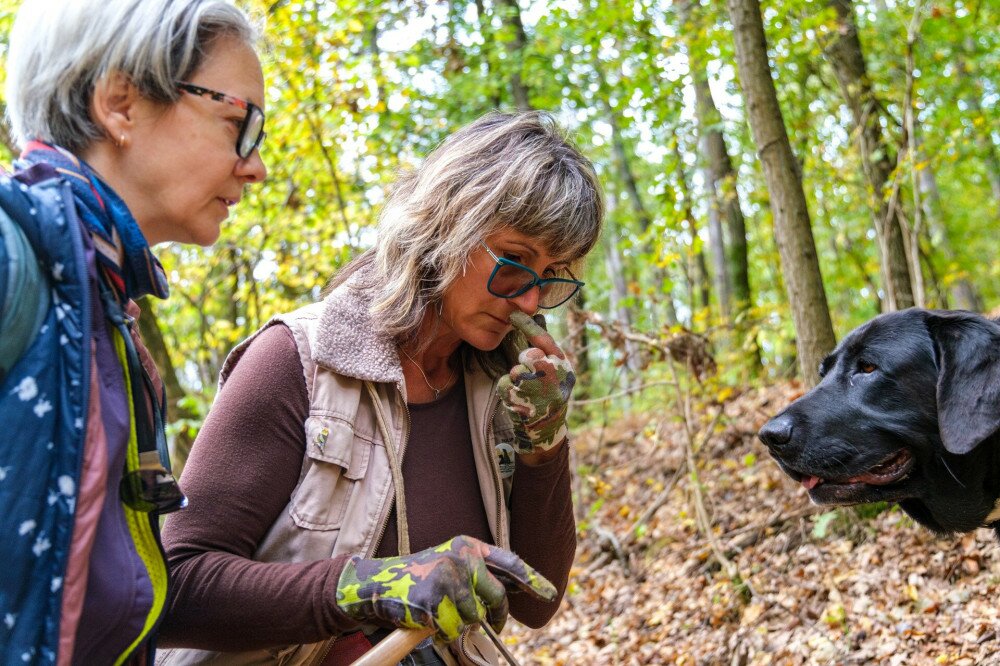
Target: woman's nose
528, 301
252, 169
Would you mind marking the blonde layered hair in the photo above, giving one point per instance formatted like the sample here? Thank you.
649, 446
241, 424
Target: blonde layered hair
503, 171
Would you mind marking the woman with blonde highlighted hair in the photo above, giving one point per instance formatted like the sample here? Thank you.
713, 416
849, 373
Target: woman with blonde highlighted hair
396, 455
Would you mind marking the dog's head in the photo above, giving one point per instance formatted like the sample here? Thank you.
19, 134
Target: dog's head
907, 410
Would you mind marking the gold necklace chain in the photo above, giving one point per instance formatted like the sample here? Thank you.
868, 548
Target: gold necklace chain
437, 391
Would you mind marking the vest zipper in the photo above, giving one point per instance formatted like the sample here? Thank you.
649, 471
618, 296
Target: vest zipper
323, 655
465, 652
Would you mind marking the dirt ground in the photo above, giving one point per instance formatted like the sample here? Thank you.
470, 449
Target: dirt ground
807, 585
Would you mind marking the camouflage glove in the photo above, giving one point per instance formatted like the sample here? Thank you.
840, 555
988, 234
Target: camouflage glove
536, 391
449, 587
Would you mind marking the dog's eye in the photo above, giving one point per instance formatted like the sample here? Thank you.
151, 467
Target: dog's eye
866, 367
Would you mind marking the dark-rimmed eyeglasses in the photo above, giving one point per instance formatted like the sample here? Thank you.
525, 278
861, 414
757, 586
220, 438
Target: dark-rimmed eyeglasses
510, 279
252, 129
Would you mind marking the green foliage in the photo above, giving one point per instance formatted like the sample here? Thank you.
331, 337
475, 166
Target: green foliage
357, 91
851, 522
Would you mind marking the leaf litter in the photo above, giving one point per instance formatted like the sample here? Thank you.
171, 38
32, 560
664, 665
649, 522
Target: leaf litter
815, 585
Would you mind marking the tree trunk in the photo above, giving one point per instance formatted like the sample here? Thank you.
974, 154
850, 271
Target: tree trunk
616, 301
578, 345
510, 14
962, 294
721, 277
721, 177
793, 231
848, 62
698, 272
486, 30
725, 203
628, 179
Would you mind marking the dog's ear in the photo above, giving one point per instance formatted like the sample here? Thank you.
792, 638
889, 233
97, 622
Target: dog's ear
967, 347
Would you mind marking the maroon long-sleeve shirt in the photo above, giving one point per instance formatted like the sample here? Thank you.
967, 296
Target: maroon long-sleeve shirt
240, 476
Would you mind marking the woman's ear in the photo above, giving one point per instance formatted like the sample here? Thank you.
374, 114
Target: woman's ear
113, 106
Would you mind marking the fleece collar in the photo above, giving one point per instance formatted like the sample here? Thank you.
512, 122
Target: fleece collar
347, 340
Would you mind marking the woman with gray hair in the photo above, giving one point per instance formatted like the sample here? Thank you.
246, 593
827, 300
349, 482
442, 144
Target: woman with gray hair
140, 122
301, 544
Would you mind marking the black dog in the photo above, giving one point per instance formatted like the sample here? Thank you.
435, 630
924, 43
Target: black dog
907, 410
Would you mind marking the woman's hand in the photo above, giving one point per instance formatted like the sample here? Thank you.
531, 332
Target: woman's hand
460, 583
536, 391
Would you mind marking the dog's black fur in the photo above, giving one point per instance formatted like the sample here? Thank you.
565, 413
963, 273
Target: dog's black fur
907, 410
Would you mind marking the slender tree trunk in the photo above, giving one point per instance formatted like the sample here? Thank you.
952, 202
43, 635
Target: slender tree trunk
848, 61
698, 274
725, 202
717, 248
578, 343
486, 30
721, 175
627, 176
616, 300
510, 13
793, 231
916, 227
963, 294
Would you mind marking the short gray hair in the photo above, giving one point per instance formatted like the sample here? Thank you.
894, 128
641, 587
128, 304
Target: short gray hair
60, 49
503, 171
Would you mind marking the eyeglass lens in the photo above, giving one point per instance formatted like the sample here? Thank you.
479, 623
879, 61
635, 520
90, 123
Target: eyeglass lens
510, 281
253, 132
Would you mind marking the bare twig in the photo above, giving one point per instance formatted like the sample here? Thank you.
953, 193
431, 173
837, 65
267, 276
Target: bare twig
702, 517
619, 394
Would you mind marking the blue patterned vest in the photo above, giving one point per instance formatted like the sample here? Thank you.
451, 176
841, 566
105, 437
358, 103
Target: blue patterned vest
43, 402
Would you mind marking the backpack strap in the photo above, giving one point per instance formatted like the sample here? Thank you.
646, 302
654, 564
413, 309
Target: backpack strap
24, 294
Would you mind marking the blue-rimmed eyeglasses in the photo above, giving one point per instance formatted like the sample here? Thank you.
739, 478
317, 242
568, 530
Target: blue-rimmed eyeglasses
510, 279
252, 129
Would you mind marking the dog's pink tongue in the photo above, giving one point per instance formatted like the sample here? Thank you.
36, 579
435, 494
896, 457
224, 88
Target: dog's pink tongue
810, 482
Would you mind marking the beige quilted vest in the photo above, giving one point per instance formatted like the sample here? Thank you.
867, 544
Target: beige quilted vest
345, 491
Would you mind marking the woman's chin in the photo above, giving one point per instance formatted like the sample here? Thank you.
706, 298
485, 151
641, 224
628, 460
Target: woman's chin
485, 342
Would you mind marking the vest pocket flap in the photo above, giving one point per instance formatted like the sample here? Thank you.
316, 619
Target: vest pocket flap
330, 440
335, 460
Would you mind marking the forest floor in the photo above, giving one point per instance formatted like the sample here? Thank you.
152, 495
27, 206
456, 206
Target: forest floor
820, 586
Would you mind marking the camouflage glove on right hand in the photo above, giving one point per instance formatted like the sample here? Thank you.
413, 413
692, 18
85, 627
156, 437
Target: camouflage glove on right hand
536, 391
460, 583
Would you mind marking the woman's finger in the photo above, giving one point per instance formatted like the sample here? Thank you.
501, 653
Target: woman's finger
516, 574
493, 595
536, 335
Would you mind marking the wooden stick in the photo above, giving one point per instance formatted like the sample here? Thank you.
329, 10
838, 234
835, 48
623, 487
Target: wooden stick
397, 645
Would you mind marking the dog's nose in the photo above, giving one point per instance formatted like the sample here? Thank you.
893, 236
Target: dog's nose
777, 432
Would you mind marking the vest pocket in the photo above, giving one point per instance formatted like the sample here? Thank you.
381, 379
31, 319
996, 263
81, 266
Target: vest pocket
336, 458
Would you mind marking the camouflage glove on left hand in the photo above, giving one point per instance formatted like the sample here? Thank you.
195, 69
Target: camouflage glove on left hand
460, 583
536, 391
